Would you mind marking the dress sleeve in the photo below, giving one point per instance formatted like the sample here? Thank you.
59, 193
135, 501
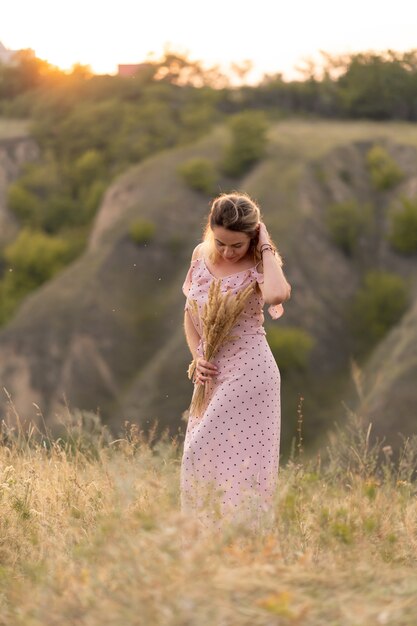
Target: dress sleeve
274, 310
187, 282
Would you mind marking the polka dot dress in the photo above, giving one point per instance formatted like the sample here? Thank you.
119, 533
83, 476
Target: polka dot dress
229, 466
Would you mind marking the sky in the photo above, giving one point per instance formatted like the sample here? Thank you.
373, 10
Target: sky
275, 35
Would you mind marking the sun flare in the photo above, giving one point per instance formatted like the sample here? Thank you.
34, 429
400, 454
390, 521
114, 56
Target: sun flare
273, 37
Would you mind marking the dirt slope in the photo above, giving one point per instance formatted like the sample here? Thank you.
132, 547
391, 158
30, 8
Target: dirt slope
106, 334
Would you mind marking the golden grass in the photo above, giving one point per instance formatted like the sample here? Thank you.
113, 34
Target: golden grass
91, 534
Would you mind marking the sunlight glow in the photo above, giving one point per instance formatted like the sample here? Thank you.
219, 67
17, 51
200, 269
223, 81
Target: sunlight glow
275, 36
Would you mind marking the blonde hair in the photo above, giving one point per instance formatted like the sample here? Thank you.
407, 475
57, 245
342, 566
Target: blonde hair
234, 211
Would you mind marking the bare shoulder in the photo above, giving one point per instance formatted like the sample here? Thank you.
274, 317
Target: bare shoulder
197, 252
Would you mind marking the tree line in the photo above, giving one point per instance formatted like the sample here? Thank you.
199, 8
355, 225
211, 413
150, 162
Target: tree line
367, 85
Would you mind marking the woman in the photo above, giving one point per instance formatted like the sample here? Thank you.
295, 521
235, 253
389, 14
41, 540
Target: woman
230, 460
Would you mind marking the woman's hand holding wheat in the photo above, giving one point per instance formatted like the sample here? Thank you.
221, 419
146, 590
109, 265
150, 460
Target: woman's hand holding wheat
204, 370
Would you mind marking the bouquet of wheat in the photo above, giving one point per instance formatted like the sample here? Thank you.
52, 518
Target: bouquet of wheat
220, 314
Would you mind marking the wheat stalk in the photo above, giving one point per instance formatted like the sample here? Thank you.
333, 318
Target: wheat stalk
220, 314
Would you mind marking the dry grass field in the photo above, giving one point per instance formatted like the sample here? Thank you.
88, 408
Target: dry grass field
9, 129
91, 534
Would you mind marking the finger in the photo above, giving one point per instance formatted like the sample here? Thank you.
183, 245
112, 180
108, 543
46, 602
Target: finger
206, 363
206, 368
209, 366
208, 372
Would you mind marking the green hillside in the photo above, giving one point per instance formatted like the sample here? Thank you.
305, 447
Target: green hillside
106, 334
387, 395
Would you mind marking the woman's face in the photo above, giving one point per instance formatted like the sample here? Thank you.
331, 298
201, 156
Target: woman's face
232, 245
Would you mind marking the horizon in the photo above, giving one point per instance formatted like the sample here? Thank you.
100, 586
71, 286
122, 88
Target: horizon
272, 39
245, 67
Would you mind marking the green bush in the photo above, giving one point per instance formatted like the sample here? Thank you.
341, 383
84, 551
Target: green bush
60, 210
403, 226
42, 178
291, 346
35, 257
346, 221
384, 171
88, 168
90, 198
40, 200
30, 260
23, 202
199, 174
8, 301
377, 306
142, 231
248, 142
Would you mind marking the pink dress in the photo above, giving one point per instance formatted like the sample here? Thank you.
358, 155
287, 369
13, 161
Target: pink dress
229, 466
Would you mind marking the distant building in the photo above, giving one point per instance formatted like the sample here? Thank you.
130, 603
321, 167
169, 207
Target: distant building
131, 69
6, 55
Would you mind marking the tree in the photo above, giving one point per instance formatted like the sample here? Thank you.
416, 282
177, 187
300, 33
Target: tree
248, 142
376, 86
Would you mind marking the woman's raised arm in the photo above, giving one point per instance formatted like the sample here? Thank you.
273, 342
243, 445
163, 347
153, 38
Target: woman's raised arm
275, 287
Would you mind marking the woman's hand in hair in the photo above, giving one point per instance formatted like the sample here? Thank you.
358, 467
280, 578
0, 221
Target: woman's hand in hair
263, 235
